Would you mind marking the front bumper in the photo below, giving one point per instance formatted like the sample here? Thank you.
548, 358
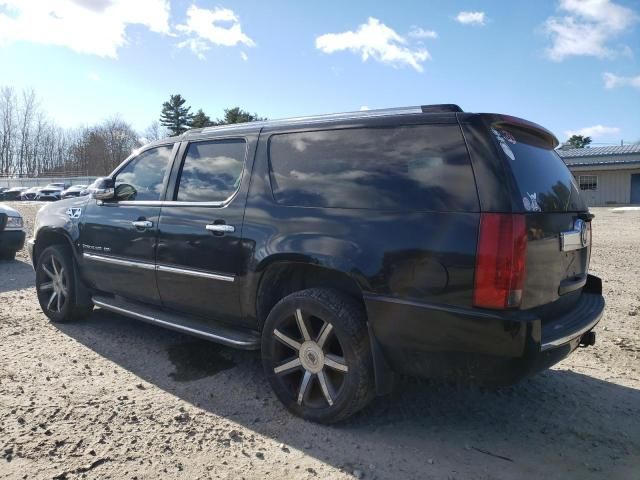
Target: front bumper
11, 240
491, 347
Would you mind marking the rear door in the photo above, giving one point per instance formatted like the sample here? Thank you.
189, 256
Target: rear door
200, 255
557, 219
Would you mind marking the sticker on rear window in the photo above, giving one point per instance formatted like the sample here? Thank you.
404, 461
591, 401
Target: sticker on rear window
508, 137
503, 143
530, 202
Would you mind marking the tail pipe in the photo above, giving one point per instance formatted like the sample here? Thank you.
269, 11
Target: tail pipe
588, 339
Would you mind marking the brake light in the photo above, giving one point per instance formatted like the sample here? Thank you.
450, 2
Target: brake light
500, 261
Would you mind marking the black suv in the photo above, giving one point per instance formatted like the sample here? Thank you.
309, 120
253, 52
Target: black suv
345, 247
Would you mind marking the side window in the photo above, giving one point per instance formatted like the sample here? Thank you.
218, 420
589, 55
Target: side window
142, 178
211, 170
421, 167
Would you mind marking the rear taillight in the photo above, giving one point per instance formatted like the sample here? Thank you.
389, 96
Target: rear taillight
500, 261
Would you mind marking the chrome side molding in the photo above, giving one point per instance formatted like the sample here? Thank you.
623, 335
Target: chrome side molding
158, 268
194, 273
119, 261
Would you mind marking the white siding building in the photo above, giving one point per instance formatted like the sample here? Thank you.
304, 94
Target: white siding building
606, 175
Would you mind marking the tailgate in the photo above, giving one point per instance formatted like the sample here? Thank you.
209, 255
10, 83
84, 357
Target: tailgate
557, 219
558, 251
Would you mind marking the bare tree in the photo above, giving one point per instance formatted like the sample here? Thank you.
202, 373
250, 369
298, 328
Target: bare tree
154, 132
8, 108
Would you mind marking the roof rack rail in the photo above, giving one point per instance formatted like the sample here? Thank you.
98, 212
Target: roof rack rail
441, 108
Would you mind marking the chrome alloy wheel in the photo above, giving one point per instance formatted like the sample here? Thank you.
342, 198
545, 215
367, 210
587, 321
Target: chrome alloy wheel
316, 360
57, 284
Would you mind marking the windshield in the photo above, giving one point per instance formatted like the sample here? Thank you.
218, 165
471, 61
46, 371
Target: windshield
544, 181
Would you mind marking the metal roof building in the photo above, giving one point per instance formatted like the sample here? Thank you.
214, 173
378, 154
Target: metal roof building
606, 175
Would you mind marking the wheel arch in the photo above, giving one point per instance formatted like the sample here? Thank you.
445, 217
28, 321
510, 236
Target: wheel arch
47, 237
283, 277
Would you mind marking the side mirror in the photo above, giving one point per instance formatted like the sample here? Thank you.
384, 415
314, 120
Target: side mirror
103, 189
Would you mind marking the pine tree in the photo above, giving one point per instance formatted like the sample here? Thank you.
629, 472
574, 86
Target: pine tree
237, 115
200, 120
175, 116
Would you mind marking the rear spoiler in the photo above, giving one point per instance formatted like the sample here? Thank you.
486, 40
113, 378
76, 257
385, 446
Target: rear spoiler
531, 127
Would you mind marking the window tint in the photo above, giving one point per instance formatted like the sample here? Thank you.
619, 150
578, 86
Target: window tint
145, 173
211, 171
545, 182
423, 167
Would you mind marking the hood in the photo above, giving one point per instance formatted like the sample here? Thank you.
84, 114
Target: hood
10, 212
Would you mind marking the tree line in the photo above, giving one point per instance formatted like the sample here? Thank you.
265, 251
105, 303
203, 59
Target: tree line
32, 144
177, 118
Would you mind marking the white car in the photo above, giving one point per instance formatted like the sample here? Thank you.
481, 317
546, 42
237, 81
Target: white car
51, 192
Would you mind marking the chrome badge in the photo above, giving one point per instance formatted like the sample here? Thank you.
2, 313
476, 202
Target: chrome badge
581, 226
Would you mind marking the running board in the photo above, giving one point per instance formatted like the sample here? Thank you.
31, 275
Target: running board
237, 338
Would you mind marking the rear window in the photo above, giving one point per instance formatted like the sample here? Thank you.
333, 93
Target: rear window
422, 167
544, 181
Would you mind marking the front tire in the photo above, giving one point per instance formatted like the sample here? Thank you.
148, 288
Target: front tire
317, 356
55, 285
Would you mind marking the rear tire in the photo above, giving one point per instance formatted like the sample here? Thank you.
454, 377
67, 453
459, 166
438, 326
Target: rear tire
317, 356
55, 285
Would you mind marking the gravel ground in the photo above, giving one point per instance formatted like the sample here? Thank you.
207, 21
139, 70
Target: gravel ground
113, 398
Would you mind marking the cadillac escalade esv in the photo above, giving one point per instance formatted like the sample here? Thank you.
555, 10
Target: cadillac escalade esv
346, 248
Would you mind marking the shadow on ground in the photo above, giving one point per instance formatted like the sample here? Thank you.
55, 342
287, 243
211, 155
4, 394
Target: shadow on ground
15, 275
567, 415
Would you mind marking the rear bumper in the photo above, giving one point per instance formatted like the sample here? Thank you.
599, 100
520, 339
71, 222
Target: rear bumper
438, 341
11, 240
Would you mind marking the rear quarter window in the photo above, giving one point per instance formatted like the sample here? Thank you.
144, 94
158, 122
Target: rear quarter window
544, 182
423, 167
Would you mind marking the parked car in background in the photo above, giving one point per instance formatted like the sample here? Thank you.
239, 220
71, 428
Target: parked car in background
30, 193
75, 191
12, 193
12, 232
349, 247
51, 192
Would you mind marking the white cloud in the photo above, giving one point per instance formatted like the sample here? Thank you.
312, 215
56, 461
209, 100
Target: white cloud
96, 27
471, 18
597, 131
94, 77
586, 28
374, 39
220, 26
418, 32
364, 108
614, 81
244, 56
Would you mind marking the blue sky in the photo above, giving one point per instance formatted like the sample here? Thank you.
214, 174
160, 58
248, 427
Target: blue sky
571, 65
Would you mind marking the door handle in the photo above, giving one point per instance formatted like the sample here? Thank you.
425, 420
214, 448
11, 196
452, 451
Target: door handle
220, 228
142, 224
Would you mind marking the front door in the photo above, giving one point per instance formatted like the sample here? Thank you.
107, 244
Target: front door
635, 188
118, 237
200, 255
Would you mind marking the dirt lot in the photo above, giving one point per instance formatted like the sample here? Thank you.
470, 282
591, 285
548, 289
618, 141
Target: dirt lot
113, 398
